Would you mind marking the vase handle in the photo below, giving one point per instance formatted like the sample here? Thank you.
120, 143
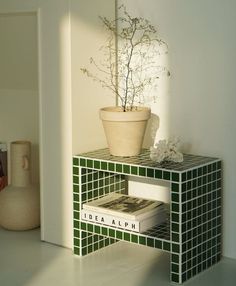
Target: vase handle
25, 163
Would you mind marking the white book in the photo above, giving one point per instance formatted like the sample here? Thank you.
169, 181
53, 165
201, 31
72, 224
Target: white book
125, 206
122, 223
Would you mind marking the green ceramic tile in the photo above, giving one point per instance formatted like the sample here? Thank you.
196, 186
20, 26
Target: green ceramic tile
184, 177
75, 188
166, 246
150, 242
83, 179
95, 175
75, 161
214, 166
204, 170
112, 232
107, 242
84, 197
194, 174
90, 239
101, 244
175, 247
76, 233
175, 217
119, 168
76, 250
134, 170
199, 172
97, 164
175, 177
134, 238
174, 258
90, 227
104, 165
95, 246
76, 224
76, 206
75, 171
83, 226
158, 174
76, 197
189, 175
142, 240
84, 251
75, 180
119, 234
127, 236
95, 193
175, 207
82, 162
174, 277
175, 227
104, 231
89, 163
174, 187
150, 173
90, 248
126, 169
84, 171
158, 244
142, 171
76, 215
84, 234
175, 197
97, 229
174, 268
166, 175
77, 242
111, 167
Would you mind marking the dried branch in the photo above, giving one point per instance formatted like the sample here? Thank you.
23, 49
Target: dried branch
132, 67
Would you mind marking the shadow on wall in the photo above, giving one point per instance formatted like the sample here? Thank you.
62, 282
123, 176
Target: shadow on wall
151, 131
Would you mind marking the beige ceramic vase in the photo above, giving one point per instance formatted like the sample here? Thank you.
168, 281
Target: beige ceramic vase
19, 201
124, 130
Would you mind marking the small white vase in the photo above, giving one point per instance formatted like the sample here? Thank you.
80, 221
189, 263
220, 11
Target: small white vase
124, 130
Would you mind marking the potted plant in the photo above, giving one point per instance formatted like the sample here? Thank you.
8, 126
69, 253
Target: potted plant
129, 69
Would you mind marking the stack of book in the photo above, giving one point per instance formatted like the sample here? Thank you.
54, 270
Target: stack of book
125, 212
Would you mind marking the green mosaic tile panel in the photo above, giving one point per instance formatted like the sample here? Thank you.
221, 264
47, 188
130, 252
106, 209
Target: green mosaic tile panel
201, 220
190, 161
94, 184
157, 237
193, 235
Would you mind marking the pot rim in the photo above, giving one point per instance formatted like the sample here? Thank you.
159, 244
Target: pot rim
115, 113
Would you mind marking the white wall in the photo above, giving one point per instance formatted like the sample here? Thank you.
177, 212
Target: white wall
65, 45
87, 36
19, 99
202, 43
54, 115
200, 35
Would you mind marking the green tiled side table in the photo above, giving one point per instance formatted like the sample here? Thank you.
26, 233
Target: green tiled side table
192, 234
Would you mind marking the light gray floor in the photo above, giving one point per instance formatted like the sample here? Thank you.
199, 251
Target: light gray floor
25, 261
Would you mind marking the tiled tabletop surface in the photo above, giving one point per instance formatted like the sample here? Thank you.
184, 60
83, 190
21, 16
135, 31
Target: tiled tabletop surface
190, 161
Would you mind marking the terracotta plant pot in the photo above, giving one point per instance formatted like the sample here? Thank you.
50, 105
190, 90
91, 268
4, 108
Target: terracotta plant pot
124, 130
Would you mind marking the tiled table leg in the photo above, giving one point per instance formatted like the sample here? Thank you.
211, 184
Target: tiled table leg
175, 233
90, 184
